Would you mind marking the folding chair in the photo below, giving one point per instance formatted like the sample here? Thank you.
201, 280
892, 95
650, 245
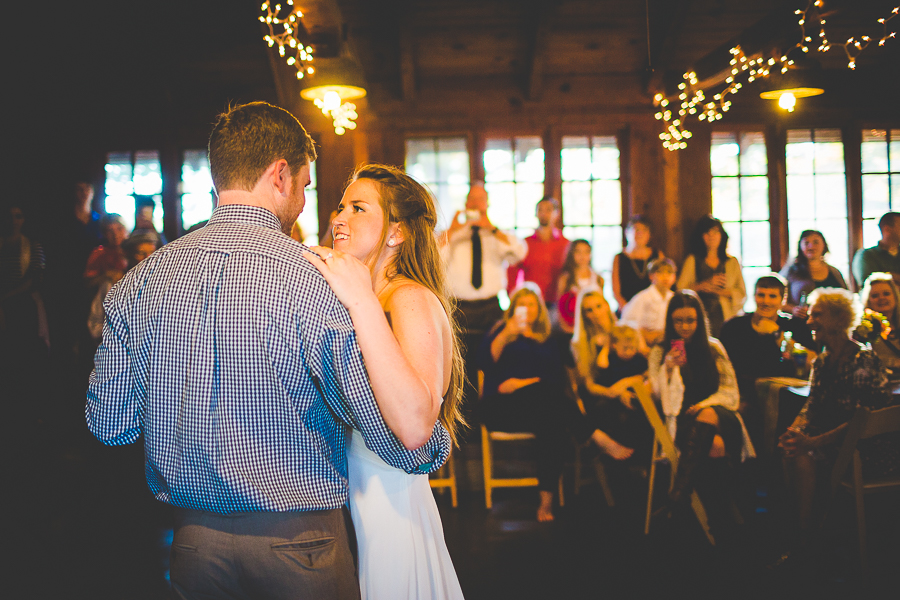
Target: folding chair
866, 423
445, 478
664, 446
487, 458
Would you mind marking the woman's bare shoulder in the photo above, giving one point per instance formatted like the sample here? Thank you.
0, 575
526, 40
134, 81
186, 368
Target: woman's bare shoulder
406, 295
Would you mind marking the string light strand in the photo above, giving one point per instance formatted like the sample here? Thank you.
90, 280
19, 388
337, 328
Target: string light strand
287, 20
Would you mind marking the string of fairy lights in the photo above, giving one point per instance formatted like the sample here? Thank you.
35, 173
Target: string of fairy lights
692, 100
286, 19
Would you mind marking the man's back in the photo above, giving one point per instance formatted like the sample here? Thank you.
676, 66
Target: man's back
232, 355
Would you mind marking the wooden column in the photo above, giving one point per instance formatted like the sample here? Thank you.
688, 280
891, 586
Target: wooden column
776, 138
852, 138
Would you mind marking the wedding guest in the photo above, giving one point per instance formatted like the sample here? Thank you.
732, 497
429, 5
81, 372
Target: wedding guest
714, 274
881, 295
758, 346
547, 248
884, 257
809, 271
524, 390
576, 277
647, 310
630, 267
694, 380
846, 375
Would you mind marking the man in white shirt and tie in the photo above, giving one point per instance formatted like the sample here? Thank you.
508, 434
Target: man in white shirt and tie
477, 255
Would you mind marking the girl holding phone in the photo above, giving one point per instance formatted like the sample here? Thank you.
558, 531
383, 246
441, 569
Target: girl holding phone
692, 376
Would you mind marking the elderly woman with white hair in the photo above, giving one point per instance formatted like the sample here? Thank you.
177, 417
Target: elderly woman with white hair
846, 375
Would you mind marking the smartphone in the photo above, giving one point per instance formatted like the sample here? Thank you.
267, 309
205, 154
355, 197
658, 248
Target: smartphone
678, 344
520, 314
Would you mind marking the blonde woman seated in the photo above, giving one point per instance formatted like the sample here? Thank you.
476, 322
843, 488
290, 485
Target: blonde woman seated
524, 389
695, 382
881, 295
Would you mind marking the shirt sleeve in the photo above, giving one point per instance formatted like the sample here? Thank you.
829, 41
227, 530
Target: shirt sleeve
345, 386
515, 250
114, 410
688, 275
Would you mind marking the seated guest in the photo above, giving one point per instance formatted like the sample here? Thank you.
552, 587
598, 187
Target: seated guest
754, 343
884, 257
524, 389
809, 271
577, 275
713, 273
630, 267
608, 393
647, 310
594, 320
846, 375
695, 382
880, 294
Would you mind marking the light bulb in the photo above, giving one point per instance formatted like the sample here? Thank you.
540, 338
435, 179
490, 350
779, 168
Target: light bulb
787, 101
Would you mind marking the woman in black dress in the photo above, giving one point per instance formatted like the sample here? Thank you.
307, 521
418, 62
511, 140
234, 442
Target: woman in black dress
629, 273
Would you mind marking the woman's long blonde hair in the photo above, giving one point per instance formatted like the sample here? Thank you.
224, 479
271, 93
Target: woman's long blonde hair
541, 327
409, 203
582, 347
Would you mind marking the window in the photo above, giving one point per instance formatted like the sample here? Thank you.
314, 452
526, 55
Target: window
592, 198
817, 191
129, 175
309, 218
514, 180
740, 199
880, 179
197, 200
442, 164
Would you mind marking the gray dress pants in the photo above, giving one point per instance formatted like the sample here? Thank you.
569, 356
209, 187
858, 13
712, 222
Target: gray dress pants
265, 555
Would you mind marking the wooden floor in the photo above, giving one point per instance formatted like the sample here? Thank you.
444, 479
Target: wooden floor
83, 525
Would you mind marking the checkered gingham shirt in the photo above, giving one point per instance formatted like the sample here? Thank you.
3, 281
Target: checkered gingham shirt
231, 354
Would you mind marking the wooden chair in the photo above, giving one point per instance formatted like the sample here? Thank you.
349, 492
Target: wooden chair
866, 423
444, 478
599, 469
487, 458
664, 446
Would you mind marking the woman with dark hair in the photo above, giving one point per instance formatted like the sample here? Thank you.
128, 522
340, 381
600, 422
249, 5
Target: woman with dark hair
809, 271
386, 269
629, 271
713, 274
577, 276
695, 382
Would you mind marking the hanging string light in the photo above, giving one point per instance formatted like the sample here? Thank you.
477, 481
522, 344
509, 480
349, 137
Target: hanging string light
289, 46
693, 100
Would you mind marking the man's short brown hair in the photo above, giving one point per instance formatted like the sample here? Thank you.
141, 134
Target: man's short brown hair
246, 139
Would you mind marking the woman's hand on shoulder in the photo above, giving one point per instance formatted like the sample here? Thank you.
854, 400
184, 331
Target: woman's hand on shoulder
350, 279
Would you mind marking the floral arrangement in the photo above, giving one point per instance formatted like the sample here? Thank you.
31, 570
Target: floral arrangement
872, 326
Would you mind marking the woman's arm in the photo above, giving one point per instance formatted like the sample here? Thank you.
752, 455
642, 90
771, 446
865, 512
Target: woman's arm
688, 278
407, 359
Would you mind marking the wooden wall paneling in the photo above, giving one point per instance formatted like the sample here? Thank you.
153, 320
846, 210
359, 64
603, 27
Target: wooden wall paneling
623, 138
695, 180
334, 166
776, 138
553, 164
852, 138
647, 182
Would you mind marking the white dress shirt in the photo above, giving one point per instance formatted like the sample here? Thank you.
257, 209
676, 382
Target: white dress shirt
496, 256
647, 310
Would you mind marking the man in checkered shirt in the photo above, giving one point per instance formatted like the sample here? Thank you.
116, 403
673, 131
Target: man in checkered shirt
231, 354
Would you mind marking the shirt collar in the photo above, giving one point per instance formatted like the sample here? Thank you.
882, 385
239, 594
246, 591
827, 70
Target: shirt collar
244, 214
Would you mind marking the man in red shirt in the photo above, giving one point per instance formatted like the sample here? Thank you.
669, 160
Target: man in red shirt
546, 253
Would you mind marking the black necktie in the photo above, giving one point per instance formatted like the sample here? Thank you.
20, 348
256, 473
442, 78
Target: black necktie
476, 257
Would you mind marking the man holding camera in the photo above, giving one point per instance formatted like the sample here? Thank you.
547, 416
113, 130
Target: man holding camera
477, 254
